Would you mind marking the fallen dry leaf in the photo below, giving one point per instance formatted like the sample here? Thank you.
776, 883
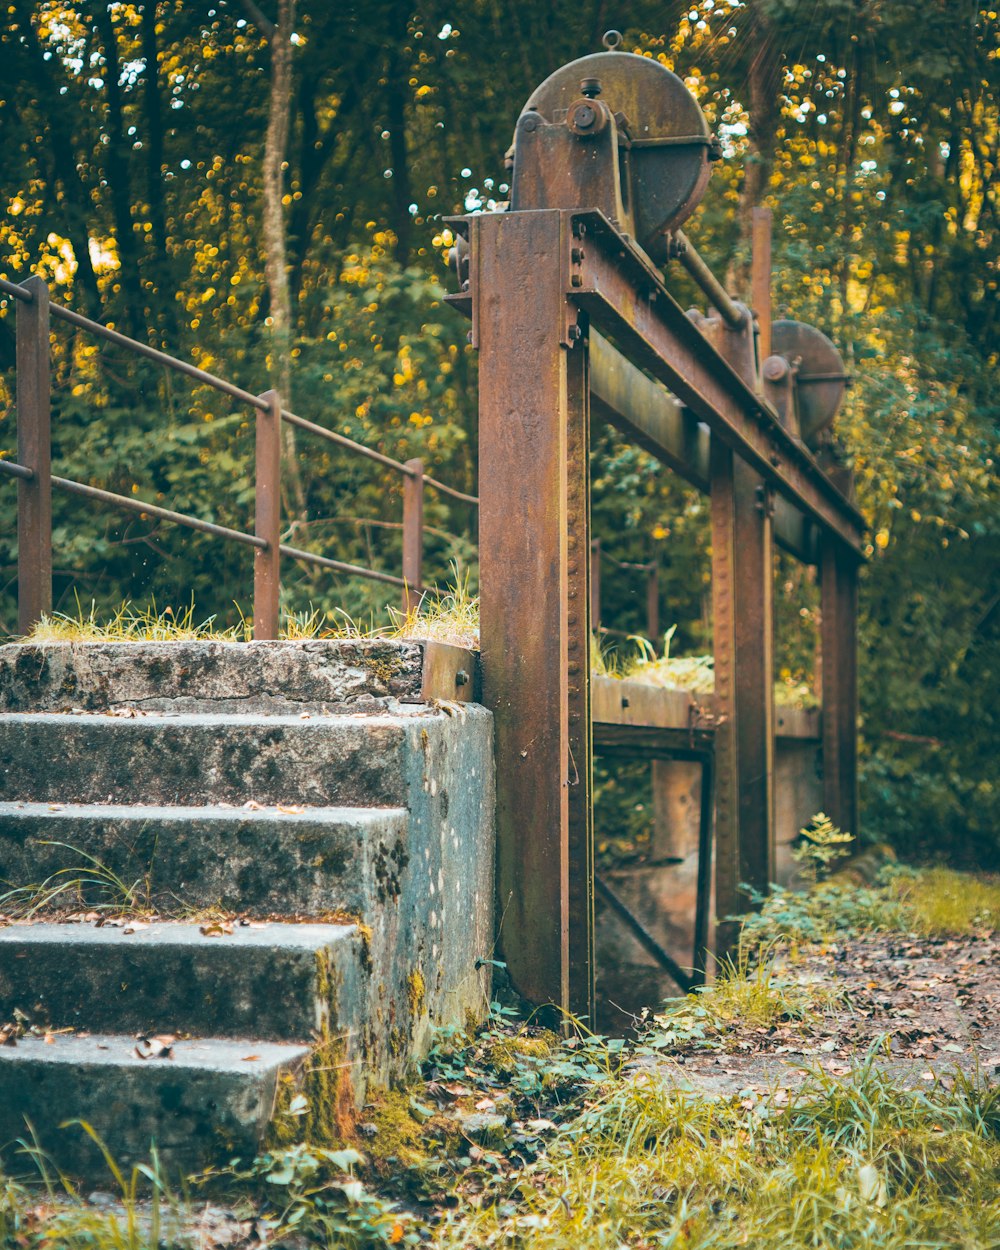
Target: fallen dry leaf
158, 1047
291, 809
215, 928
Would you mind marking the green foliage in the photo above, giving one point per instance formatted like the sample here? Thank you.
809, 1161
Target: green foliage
131, 172
314, 1192
821, 845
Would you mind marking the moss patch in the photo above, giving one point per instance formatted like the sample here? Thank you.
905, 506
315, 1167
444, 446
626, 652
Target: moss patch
416, 992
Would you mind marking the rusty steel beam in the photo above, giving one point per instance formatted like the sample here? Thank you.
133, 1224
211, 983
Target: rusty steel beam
728, 897
622, 395
743, 598
626, 299
839, 664
534, 575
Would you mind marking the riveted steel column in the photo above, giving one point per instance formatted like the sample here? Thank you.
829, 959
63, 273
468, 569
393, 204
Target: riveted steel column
534, 573
727, 829
34, 495
743, 599
839, 642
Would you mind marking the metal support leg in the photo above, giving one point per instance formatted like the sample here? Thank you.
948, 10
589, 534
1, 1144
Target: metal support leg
742, 596
839, 642
534, 574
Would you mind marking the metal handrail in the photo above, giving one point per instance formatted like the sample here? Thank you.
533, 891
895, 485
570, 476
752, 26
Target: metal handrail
12, 469
228, 388
161, 358
341, 440
130, 504
39, 479
18, 292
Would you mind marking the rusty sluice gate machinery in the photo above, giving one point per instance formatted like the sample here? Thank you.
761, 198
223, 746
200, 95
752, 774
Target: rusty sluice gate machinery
571, 315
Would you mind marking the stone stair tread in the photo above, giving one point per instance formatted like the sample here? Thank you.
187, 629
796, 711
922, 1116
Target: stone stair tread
209, 1091
261, 980
258, 860
212, 1054
196, 758
162, 933
261, 812
399, 713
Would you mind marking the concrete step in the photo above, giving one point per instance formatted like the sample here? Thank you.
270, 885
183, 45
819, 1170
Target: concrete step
258, 862
197, 759
280, 982
211, 1099
260, 677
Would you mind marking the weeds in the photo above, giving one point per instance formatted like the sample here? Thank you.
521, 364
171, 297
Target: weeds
451, 615
91, 886
130, 623
939, 900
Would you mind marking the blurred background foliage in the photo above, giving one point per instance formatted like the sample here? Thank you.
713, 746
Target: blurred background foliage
132, 176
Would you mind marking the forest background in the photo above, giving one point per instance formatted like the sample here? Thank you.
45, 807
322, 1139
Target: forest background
261, 190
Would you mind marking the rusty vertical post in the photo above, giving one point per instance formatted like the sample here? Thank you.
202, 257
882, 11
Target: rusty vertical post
413, 534
727, 844
760, 280
267, 518
653, 601
34, 496
839, 650
743, 609
595, 586
534, 550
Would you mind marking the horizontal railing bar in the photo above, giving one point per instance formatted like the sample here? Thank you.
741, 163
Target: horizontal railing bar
18, 292
12, 469
343, 441
450, 490
296, 553
161, 358
333, 437
151, 509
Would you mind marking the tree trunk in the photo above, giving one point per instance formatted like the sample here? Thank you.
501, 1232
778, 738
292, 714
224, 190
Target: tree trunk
154, 172
133, 302
275, 249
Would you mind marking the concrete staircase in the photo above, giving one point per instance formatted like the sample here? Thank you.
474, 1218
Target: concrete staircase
280, 856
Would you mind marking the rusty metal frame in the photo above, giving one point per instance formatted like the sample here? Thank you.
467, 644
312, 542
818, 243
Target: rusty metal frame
541, 284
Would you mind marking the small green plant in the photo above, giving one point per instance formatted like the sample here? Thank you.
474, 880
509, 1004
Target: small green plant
821, 845
315, 1193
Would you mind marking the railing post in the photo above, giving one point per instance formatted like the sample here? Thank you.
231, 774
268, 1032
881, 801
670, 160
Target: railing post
34, 496
267, 518
413, 533
653, 601
595, 586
